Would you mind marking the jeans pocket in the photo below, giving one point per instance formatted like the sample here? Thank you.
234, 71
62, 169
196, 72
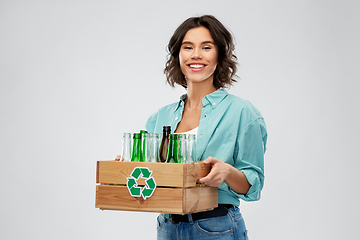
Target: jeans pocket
216, 226
160, 222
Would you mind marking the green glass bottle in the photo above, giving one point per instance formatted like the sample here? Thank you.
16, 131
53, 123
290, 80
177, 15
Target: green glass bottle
172, 156
136, 152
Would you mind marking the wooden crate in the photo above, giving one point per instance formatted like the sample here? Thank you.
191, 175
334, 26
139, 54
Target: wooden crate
176, 192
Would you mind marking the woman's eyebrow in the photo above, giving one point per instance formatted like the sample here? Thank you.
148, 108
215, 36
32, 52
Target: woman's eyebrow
205, 42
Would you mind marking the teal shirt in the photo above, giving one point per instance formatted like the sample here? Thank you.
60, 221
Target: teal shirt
232, 130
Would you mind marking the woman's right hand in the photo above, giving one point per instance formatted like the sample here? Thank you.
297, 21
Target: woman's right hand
117, 158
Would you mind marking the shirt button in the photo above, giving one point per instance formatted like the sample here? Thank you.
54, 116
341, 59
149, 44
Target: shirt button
214, 104
176, 118
205, 116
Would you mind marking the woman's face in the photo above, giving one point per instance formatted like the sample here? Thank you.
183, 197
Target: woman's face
198, 55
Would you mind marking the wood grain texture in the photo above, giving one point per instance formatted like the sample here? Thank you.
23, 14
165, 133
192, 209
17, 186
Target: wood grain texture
200, 199
164, 200
165, 174
177, 190
118, 198
193, 172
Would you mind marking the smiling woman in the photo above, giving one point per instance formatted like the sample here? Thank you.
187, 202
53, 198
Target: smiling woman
198, 56
220, 38
231, 133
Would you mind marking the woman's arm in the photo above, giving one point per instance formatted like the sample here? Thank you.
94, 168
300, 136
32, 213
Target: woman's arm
224, 172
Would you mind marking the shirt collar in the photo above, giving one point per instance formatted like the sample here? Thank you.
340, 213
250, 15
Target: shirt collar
181, 101
213, 98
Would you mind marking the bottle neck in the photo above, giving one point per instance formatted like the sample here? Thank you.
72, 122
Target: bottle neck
166, 131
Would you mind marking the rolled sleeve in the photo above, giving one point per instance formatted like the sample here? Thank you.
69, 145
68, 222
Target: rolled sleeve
250, 151
256, 181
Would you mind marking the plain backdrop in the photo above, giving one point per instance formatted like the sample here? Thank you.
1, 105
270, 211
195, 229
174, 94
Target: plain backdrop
75, 75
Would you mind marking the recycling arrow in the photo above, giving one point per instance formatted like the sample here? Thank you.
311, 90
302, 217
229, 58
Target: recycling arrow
136, 191
146, 172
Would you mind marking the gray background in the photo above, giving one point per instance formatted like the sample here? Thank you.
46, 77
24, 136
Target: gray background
75, 75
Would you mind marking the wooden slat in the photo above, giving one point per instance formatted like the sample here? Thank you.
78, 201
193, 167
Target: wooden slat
164, 200
194, 171
97, 171
165, 174
200, 199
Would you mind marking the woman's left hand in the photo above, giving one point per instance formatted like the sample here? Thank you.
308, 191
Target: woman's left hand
224, 172
218, 173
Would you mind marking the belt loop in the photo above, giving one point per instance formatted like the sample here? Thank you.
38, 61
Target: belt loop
231, 212
190, 218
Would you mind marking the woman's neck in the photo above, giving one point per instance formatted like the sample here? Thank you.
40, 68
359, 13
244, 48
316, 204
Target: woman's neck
196, 92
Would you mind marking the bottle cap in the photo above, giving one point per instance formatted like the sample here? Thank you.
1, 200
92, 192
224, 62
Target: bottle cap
167, 128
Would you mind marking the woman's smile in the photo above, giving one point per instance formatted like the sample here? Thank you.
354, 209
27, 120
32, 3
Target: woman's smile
197, 67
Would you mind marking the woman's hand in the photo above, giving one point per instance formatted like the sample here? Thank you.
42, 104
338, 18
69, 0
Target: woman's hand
219, 172
118, 157
224, 172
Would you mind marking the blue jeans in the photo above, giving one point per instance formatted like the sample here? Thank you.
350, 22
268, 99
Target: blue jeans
231, 226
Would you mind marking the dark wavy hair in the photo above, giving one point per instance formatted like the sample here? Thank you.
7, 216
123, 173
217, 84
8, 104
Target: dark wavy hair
225, 70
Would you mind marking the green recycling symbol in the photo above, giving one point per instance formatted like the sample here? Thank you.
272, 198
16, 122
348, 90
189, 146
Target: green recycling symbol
136, 191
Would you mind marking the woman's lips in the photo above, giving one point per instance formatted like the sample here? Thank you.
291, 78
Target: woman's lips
196, 67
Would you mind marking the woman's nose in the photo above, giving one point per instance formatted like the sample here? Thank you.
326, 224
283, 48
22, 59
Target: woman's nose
196, 54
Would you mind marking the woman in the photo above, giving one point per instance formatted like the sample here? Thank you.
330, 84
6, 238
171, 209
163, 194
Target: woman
231, 133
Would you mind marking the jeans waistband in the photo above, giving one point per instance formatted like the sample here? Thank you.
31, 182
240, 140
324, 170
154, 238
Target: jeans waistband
221, 210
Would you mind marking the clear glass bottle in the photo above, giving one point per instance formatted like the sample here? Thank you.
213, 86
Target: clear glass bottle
182, 148
191, 148
126, 148
153, 146
144, 145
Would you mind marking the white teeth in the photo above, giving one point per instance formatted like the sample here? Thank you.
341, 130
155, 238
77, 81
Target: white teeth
196, 66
